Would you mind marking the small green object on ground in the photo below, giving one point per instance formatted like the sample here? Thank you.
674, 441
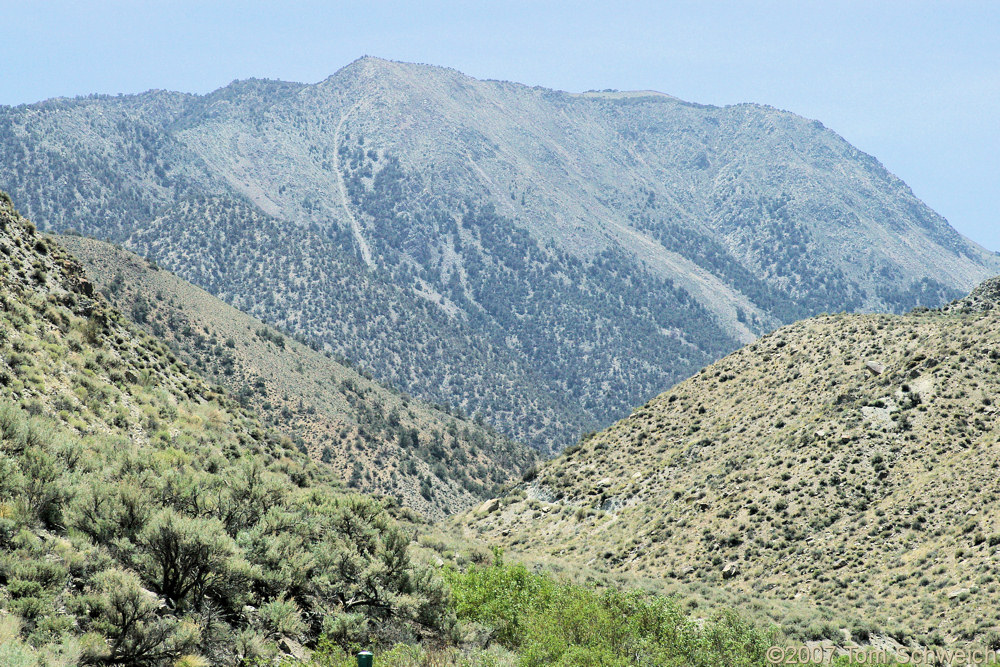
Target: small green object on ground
365, 659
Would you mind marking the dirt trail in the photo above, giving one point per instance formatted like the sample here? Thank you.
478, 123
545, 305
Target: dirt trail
366, 251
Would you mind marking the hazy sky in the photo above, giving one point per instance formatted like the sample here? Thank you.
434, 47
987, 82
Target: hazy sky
916, 84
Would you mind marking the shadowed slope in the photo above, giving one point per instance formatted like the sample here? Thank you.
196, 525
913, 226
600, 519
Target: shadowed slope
377, 440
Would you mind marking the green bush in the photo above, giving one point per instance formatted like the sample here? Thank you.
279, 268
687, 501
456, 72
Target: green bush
184, 556
500, 597
130, 618
283, 617
548, 623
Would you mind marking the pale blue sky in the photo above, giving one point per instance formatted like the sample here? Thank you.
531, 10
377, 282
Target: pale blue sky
916, 84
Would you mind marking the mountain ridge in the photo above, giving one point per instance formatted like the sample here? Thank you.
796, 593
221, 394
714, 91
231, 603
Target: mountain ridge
528, 220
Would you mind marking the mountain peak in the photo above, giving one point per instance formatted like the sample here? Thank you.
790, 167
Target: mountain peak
368, 66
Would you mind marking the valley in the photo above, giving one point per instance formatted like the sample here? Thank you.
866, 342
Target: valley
148, 518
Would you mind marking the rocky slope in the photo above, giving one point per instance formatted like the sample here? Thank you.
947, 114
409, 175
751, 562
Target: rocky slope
377, 440
546, 259
845, 463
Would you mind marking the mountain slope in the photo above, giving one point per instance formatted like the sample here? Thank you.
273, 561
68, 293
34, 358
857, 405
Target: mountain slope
376, 440
147, 519
546, 259
848, 462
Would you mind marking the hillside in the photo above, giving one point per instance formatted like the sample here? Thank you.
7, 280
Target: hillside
846, 464
145, 517
545, 259
377, 440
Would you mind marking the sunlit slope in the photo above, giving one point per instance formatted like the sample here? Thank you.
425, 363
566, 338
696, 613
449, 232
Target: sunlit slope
146, 518
849, 462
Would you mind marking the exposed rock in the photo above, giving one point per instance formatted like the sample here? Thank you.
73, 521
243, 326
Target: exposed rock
874, 367
731, 570
291, 647
490, 506
982, 299
885, 643
540, 492
611, 504
957, 593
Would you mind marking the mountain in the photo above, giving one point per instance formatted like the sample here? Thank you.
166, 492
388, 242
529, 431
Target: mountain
376, 440
148, 519
545, 259
847, 462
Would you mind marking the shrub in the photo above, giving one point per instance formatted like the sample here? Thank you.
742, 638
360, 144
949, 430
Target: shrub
183, 556
283, 617
129, 617
499, 596
548, 623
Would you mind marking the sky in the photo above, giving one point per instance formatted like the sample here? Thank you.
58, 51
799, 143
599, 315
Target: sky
914, 83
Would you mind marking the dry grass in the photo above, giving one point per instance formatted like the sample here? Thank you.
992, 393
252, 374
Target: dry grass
827, 490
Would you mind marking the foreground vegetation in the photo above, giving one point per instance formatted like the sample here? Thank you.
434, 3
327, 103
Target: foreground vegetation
510, 616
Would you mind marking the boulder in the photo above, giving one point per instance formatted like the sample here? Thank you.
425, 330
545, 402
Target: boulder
490, 506
874, 367
289, 646
731, 570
